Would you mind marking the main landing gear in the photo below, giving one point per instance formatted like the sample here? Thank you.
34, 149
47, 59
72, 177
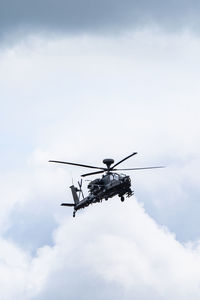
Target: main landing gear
122, 198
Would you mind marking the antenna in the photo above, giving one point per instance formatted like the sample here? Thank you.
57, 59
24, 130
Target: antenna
72, 177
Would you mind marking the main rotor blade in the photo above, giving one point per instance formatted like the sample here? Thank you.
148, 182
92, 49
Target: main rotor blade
67, 204
134, 153
74, 164
93, 173
133, 169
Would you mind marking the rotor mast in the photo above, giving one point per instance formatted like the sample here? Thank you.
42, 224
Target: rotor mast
108, 162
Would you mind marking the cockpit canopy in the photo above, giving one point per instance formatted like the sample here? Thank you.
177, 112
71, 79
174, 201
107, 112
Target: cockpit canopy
115, 176
106, 179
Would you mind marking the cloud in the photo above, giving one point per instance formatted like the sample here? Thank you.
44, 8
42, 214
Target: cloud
84, 99
72, 96
96, 16
110, 250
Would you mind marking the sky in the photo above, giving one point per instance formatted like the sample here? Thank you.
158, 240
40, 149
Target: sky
82, 81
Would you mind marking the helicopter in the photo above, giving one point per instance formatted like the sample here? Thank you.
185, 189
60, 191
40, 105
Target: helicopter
108, 186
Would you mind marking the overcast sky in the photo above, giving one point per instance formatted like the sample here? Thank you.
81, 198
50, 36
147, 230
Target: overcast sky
83, 81
91, 16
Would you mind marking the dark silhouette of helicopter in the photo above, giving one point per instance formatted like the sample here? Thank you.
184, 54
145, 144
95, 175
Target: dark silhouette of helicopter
108, 186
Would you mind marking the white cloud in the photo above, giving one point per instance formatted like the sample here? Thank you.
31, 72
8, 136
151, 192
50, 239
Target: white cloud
114, 244
83, 99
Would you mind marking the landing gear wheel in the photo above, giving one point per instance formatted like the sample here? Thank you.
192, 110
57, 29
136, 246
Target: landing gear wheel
122, 198
74, 214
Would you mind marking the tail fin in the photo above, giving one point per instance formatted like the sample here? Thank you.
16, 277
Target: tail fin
74, 194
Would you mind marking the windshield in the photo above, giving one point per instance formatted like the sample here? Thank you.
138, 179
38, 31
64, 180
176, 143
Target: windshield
114, 176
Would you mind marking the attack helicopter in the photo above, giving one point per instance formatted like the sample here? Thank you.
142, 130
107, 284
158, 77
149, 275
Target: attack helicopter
108, 186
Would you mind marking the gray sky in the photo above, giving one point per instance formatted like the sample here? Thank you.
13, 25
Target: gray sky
92, 16
110, 83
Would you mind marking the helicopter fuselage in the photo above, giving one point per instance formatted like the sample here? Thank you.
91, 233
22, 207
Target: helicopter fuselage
108, 186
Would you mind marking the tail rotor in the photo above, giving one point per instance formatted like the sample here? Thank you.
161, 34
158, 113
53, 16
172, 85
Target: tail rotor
80, 189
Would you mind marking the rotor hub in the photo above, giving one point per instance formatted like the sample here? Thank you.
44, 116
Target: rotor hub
108, 162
